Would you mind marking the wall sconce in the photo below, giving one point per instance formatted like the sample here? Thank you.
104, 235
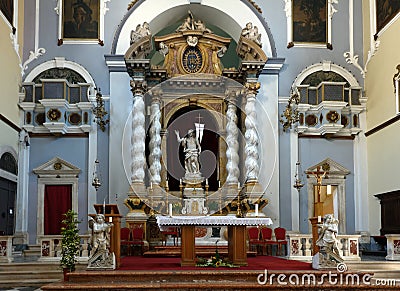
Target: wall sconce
291, 115
100, 112
297, 183
96, 180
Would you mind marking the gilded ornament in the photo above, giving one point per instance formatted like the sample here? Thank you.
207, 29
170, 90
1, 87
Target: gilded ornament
53, 114
333, 116
253, 86
192, 60
57, 166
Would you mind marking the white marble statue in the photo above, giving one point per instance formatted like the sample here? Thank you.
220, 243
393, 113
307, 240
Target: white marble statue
191, 24
328, 256
192, 149
100, 256
139, 32
252, 33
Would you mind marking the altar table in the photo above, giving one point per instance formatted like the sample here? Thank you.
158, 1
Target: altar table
237, 250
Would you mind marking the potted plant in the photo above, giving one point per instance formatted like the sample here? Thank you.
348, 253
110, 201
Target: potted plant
70, 243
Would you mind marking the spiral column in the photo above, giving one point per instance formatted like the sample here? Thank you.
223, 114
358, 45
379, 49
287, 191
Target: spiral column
155, 140
251, 136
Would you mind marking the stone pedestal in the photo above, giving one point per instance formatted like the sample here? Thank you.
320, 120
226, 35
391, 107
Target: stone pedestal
194, 201
393, 247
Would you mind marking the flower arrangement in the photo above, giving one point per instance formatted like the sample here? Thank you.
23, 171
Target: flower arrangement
215, 261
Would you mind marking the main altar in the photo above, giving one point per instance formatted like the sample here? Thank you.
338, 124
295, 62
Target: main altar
200, 154
237, 235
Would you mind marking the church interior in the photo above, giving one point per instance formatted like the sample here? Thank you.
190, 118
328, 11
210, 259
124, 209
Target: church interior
171, 132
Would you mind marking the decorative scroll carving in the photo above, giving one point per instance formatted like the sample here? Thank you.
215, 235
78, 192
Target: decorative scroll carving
139, 87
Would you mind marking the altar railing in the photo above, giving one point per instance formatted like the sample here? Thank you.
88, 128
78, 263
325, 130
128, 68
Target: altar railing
51, 248
6, 249
300, 246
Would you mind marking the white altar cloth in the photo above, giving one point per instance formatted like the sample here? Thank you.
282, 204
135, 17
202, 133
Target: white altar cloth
166, 221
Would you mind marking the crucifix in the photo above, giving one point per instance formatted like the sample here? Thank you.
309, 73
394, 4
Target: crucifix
318, 204
199, 128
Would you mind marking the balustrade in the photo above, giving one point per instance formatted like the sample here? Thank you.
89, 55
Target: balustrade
300, 246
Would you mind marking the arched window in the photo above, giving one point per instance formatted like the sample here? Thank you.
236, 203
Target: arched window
8, 163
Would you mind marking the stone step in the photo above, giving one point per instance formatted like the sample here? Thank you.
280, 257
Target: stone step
12, 282
185, 280
374, 266
32, 251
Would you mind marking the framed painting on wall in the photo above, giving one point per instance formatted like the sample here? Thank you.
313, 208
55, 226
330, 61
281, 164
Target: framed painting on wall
309, 22
7, 8
81, 21
386, 10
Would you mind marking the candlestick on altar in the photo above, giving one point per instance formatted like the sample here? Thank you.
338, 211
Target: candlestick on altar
256, 209
104, 206
170, 209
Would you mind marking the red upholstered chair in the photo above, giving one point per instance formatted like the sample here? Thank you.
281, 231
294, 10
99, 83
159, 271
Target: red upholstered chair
267, 241
138, 238
254, 238
126, 240
173, 232
280, 236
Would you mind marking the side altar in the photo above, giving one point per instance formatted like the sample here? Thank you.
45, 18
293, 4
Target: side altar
237, 249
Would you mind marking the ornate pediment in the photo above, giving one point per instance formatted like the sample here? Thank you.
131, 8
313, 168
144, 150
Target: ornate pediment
57, 167
192, 52
192, 48
333, 169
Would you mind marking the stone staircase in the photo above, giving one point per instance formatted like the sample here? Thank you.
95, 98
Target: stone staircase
29, 274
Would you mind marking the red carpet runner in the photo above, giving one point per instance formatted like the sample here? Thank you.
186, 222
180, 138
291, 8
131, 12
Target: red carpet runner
254, 263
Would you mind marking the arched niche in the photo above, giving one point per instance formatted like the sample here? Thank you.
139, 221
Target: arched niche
60, 62
213, 146
230, 16
326, 66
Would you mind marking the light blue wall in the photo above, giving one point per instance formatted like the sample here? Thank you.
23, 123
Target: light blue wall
285, 185
313, 151
72, 150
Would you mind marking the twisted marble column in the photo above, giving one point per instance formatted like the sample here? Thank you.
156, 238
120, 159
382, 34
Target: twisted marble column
232, 165
138, 89
251, 136
155, 140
